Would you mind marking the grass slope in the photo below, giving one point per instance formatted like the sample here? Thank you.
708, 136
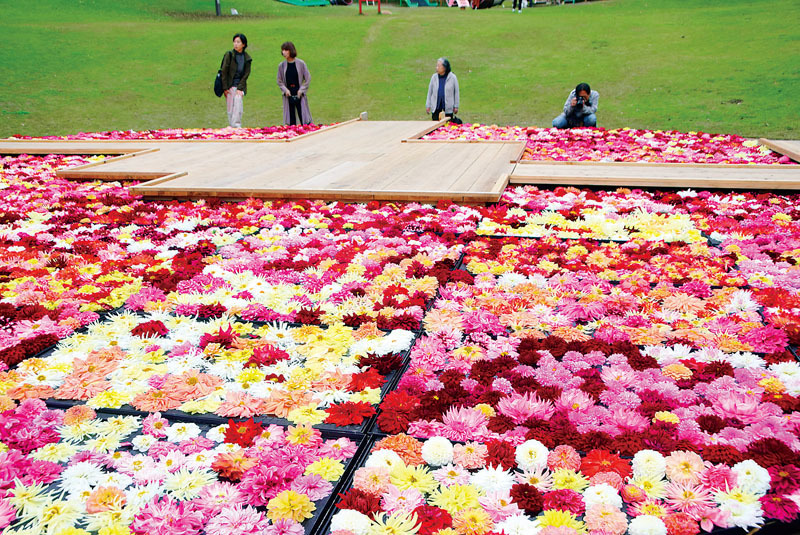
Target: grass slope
718, 65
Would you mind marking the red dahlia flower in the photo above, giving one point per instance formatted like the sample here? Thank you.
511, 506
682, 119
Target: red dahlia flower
242, 433
604, 461
432, 519
349, 413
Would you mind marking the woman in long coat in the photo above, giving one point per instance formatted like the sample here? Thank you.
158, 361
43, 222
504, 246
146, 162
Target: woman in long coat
293, 80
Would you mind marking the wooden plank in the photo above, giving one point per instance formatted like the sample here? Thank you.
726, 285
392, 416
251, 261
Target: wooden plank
457, 141
426, 130
472, 164
500, 184
161, 180
787, 147
108, 160
648, 164
776, 177
520, 152
321, 130
483, 174
112, 175
753, 184
423, 165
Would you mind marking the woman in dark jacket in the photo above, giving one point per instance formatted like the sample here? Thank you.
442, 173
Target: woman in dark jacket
235, 71
293, 80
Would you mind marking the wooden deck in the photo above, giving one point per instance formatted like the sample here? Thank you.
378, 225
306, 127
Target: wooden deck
360, 160
377, 160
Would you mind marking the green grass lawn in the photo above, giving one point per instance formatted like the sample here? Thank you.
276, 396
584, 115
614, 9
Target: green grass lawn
729, 66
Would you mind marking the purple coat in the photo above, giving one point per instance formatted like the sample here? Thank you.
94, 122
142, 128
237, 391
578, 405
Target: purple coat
305, 78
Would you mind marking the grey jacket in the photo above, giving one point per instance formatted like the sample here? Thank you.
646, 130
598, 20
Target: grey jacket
588, 109
305, 78
450, 93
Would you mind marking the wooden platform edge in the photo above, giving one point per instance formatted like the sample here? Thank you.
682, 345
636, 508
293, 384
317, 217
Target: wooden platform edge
150, 189
134, 141
30, 149
459, 141
726, 183
322, 130
160, 180
521, 153
106, 160
427, 130
111, 176
778, 146
655, 164
501, 184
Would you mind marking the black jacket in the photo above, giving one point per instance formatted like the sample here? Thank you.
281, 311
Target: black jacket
229, 71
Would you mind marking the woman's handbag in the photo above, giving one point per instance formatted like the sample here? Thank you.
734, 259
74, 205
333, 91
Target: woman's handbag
218, 80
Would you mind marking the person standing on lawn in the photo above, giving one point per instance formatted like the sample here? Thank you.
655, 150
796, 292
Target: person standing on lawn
235, 71
293, 80
442, 91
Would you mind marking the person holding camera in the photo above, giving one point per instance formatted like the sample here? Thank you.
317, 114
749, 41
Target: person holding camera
234, 72
293, 80
579, 109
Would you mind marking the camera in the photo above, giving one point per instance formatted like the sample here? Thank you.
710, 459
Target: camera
295, 99
580, 102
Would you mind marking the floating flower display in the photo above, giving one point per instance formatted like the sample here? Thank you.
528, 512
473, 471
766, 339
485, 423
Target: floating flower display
156, 362
491, 487
279, 132
631, 263
77, 472
618, 145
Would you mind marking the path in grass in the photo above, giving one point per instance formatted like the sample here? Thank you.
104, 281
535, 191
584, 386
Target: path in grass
720, 66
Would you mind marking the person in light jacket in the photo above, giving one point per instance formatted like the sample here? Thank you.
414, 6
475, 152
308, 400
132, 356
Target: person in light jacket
293, 80
235, 72
580, 108
442, 91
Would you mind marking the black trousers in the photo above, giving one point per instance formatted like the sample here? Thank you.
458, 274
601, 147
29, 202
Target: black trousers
294, 108
435, 115
518, 4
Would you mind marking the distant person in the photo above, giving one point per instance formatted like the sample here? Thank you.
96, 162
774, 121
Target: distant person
517, 5
442, 91
579, 109
235, 71
293, 79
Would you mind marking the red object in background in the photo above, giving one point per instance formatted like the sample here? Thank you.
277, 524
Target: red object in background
359, 6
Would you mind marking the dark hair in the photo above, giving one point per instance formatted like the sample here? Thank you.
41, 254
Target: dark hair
242, 38
288, 45
583, 86
445, 64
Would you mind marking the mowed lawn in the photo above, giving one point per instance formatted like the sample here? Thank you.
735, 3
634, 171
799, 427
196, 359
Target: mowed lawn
729, 66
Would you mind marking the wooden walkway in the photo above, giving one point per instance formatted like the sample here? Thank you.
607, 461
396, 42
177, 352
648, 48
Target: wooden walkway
358, 160
377, 160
